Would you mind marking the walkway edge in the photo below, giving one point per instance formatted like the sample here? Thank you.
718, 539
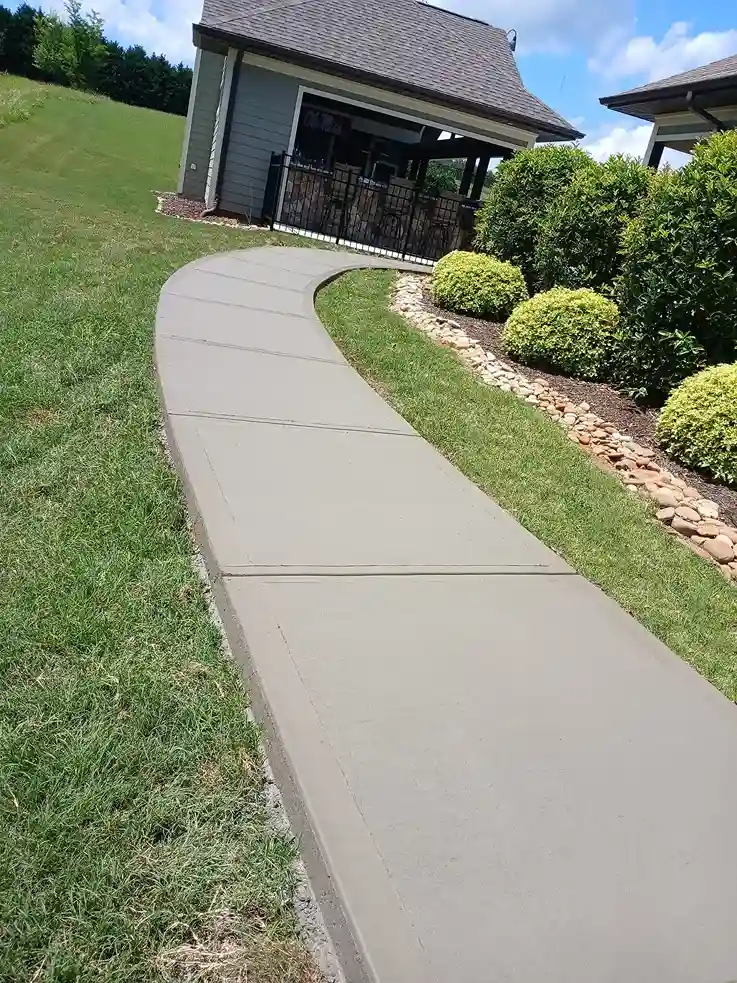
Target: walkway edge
332, 834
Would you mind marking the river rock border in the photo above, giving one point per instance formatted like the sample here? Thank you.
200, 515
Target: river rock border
689, 517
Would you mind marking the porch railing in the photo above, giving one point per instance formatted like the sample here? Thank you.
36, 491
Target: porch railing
394, 219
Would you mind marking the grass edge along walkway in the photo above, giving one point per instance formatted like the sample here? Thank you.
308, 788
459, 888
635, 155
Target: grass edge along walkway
526, 464
137, 844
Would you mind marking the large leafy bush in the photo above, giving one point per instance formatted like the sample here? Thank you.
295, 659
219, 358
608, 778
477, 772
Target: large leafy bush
678, 289
581, 237
568, 330
472, 283
524, 188
698, 424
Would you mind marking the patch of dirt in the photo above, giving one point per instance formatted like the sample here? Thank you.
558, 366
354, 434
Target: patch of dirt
228, 952
42, 418
177, 206
610, 405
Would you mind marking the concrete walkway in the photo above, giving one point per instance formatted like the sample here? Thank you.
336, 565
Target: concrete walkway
496, 774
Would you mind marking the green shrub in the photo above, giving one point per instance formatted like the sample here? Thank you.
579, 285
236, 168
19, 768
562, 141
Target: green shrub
482, 286
523, 190
571, 331
581, 237
678, 289
698, 424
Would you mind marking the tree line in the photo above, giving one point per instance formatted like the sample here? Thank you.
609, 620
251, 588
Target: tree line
75, 52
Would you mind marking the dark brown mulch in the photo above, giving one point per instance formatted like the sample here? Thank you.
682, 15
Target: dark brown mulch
177, 206
611, 406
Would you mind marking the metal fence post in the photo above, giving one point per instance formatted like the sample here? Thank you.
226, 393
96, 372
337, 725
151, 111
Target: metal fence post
415, 199
341, 220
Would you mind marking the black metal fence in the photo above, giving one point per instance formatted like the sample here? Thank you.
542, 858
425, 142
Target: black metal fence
341, 206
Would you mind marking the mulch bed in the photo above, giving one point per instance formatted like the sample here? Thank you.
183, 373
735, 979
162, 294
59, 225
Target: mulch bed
177, 206
611, 406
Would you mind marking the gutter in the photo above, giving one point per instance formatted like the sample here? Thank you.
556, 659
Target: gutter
380, 81
638, 96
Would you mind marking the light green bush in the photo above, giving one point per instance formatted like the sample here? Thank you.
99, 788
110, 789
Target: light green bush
471, 283
571, 331
698, 424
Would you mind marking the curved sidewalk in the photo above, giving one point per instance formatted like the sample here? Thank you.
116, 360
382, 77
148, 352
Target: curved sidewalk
496, 774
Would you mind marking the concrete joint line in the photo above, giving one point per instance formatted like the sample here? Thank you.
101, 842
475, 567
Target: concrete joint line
270, 421
244, 307
246, 279
393, 571
258, 351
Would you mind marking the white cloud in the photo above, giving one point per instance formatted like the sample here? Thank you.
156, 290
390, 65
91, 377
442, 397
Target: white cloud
650, 60
549, 25
163, 26
631, 140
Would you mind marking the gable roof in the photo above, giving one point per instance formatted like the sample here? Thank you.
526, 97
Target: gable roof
396, 44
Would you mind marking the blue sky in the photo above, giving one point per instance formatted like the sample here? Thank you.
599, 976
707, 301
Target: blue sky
570, 51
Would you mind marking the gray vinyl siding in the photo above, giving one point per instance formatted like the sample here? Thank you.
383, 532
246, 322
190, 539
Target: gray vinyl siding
206, 99
261, 125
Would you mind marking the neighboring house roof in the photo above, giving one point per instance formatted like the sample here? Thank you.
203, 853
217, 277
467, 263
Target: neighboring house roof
397, 44
715, 83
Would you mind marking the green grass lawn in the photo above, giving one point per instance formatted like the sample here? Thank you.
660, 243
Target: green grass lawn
528, 465
134, 835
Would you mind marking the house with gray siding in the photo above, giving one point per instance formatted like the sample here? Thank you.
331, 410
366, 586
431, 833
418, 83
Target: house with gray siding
684, 108
372, 89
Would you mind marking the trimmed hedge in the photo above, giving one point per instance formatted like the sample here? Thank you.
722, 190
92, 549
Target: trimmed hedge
524, 188
571, 331
471, 283
698, 424
581, 236
678, 289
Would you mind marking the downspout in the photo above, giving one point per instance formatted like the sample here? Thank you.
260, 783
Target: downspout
227, 127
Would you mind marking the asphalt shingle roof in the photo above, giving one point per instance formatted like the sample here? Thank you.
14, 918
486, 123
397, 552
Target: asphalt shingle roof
725, 68
402, 43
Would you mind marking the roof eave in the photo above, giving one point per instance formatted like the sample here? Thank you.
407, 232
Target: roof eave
626, 101
382, 82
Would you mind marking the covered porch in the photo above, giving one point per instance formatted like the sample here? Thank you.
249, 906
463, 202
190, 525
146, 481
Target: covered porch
355, 174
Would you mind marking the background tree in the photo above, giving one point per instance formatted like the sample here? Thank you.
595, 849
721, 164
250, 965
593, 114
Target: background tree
17, 40
72, 52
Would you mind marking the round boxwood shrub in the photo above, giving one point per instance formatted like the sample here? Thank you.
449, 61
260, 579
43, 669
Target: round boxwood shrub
581, 237
471, 283
698, 424
571, 331
678, 288
522, 191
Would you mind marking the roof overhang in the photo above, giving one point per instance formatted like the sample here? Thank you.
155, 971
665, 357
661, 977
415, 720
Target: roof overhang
647, 104
209, 37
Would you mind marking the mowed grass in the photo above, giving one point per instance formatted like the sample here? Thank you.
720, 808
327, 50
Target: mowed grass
135, 839
528, 465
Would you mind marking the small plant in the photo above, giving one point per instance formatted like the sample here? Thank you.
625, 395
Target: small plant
471, 283
581, 237
571, 331
698, 424
523, 189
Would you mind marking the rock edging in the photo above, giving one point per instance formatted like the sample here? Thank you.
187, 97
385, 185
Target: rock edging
689, 517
